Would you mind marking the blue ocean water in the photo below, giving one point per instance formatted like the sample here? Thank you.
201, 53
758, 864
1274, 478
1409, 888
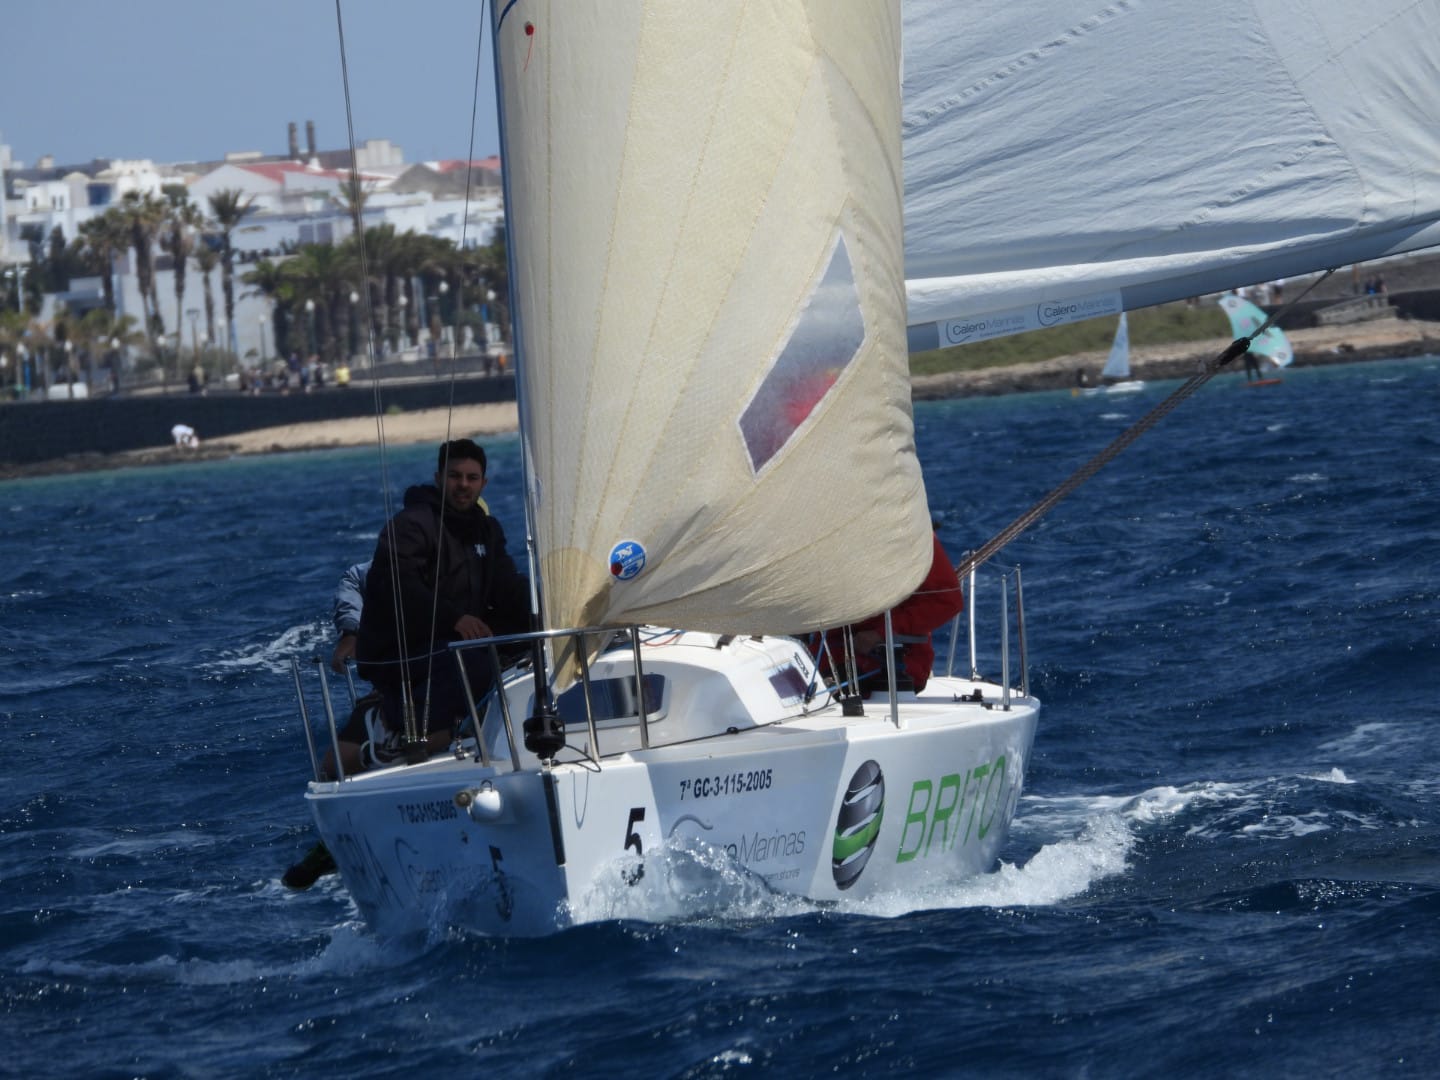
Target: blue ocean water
1226, 861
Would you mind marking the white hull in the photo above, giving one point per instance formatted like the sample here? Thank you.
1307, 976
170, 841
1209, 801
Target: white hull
815, 804
1129, 386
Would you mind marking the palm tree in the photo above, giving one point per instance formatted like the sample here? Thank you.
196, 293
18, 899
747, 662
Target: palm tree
182, 218
322, 274
105, 335
143, 214
229, 206
207, 258
105, 237
382, 248
486, 271
268, 280
352, 199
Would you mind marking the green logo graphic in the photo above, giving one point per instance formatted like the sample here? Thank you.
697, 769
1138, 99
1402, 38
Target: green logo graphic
858, 826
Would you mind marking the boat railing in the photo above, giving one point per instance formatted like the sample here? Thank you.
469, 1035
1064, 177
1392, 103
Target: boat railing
574, 646
499, 650
1009, 582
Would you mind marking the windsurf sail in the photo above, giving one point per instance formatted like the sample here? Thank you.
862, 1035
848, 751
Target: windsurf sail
1245, 319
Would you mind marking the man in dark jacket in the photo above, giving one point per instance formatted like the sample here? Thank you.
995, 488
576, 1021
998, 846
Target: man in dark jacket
442, 560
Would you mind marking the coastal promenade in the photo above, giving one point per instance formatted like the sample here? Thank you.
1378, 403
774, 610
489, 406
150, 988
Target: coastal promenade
104, 432
231, 425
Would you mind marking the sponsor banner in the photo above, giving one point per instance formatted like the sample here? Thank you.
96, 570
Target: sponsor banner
1035, 317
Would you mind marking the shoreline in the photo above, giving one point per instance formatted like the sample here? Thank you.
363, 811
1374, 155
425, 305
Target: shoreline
1389, 338
1379, 339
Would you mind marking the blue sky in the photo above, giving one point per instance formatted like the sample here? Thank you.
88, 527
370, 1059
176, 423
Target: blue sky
189, 80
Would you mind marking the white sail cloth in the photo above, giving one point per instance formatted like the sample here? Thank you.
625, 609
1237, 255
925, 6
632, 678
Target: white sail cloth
1067, 160
1117, 364
705, 220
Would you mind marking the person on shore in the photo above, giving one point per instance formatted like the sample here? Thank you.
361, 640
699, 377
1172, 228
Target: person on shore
440, 573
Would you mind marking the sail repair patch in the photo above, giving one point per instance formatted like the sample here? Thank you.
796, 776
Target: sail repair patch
627, 559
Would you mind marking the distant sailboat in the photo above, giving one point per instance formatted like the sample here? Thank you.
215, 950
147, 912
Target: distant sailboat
1115, 375
1271, 349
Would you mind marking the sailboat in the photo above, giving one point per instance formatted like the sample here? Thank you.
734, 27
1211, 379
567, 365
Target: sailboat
1270, 347
1116, 372
705, 214
715, 284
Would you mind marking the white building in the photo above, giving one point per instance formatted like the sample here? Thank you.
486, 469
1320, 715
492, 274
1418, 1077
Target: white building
294, 202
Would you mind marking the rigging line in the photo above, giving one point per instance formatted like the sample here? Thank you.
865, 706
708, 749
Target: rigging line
1208, 369
450, 402
386, 499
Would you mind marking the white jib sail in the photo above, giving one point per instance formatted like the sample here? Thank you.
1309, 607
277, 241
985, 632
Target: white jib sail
1068, 161
1117, 364
705, 216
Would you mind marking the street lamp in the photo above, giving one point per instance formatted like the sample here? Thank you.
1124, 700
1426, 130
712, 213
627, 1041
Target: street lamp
310, 319
440, 317
115, 364
404, 326
485, 329
354, 325
261, 321
13, 278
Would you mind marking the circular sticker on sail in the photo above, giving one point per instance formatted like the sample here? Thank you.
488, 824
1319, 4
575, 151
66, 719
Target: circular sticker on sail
627, 559
858, 826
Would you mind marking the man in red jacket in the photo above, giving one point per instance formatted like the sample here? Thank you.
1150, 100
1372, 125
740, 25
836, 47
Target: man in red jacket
937, 600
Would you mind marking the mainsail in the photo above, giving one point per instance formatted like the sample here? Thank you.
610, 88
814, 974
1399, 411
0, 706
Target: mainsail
1245, 319
705, 215
1067, 161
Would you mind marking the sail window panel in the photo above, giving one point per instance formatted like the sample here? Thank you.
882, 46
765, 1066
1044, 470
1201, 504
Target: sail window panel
826, 338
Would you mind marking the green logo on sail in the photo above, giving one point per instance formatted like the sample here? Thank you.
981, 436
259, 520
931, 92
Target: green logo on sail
858, 826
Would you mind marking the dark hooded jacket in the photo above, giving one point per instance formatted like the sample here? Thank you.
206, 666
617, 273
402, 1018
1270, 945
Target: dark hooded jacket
476, 577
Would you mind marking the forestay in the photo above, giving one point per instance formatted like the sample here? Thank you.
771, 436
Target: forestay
1065, 161
705, 219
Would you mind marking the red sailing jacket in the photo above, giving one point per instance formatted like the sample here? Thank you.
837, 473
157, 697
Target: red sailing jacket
935, 602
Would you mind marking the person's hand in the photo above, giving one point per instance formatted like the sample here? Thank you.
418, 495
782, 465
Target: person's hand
344, 650
867, 641
470, 627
